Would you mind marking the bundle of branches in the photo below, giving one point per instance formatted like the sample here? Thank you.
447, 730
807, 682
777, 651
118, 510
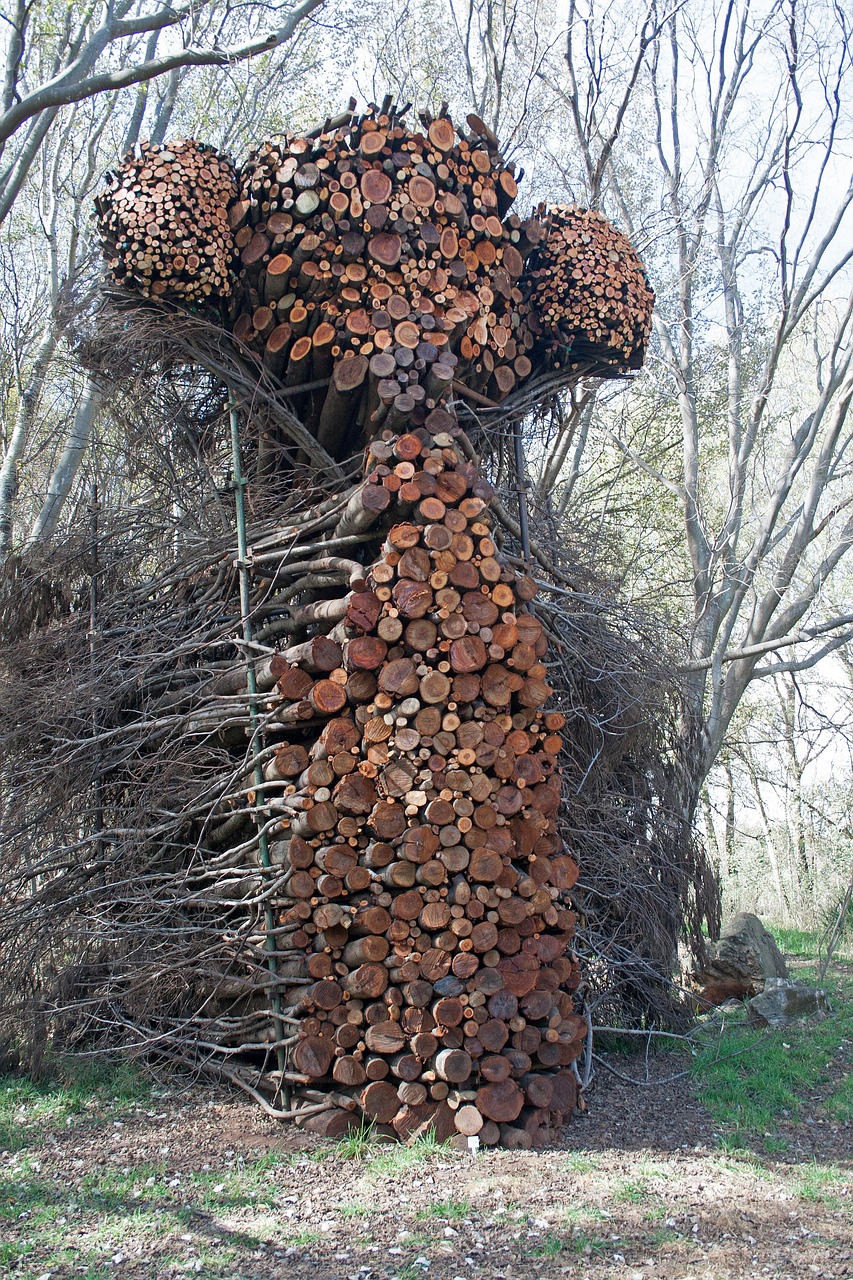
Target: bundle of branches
304, 825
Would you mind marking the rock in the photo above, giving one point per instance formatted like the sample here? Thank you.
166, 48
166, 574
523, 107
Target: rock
741, 963
784, 1001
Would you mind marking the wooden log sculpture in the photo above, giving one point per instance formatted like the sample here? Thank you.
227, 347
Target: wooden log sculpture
588, 295
395, 248
422, 889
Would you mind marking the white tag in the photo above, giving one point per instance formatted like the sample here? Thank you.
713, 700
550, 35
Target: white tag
474, 1145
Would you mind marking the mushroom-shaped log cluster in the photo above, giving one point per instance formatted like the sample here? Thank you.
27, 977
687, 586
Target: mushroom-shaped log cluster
390, 245
588, 294
373, 267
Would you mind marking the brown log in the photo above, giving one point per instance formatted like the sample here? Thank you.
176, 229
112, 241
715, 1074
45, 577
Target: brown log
379, 1100
348, 1071
385, 1037
364, 653
453, 1065
501, 1102
318, 654
468, 1120
313, 1056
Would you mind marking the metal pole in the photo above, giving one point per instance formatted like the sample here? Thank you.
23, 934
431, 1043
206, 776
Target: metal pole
252, 687
521, 490
94, 571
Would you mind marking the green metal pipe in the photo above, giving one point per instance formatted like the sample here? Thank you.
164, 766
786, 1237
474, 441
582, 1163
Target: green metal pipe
252, 687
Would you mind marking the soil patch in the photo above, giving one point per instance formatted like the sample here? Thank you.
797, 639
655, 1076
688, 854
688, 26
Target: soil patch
197, 1182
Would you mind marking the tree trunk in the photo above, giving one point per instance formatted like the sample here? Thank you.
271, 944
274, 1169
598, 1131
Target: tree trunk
66, 469
20, 436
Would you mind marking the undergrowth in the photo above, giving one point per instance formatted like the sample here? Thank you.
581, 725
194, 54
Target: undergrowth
750, 1079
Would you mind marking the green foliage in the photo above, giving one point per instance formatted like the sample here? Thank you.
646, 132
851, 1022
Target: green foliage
581, 1162
353, 1209
818, 1182
357, 1144
394, 1159
840, 1103
632, 1191
550, 1247
590, 1244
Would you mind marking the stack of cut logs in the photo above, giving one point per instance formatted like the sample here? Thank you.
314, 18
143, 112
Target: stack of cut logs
374, 243
375, 268
588, 294
422, 948
426, 880
163, 222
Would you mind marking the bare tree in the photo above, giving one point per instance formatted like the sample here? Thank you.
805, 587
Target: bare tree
744, 216
99, 49
76, 142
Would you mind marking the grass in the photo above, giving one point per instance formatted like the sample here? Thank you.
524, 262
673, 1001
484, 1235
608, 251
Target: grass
632, 1191
580, 1162
452, 1210
818, 1182
580, 1214
392, 1160
75, 1088
663, 1235
358, 1144
802, 944
353, 1209
75, 1228
589, 1244
550, 1247
365, 1146
749, 1079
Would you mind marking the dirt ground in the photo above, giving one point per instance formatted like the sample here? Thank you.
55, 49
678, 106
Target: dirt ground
197, 1182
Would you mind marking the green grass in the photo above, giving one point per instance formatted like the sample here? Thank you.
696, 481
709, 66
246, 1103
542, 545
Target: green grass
749, 1079
840, 1103
550, 1247
353, 1209
776, 1146
453, 1210
391, 1160
580, 1214
27, 1108
411, 1271
70, 1228
663, 1235
802, 944
580, 1162
818, 1182
632, 1191
358, 1144
589, 1244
